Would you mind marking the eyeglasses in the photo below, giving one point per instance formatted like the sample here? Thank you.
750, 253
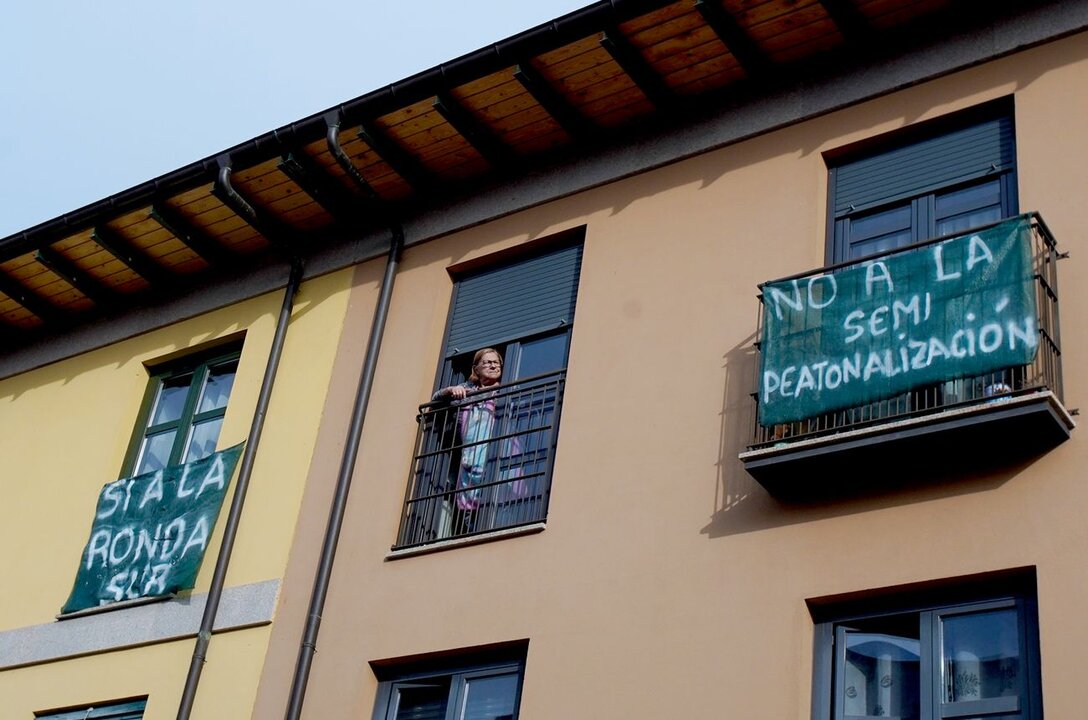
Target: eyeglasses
489, 363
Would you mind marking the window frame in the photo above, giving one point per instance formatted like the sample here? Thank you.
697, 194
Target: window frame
921, 203
1013, 591
114, 710
904, 150
526, 407
198, 365
454, 362
454, 672
454, 368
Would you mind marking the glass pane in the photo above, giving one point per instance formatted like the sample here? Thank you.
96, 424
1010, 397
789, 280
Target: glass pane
490, 698
881, 672
967, 208
878, 232
170, 400
879, 244
217, 387
968, 220
155, 452
202, 439
967, 199
880, 223
420, 702
981, 654
543, 355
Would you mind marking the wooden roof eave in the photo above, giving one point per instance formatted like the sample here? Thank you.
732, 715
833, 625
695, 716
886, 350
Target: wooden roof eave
423, 85
415, 141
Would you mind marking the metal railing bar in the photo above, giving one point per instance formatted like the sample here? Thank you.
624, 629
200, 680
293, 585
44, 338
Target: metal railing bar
884, 253
488, 441
471, 533
450, 492
526, 413
501, 390
1043, 372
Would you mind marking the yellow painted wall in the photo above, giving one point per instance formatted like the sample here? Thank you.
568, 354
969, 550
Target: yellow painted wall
156, 671
668, 583
64, 430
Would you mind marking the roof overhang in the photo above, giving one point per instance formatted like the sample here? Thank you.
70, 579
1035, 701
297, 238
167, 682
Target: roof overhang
589, 90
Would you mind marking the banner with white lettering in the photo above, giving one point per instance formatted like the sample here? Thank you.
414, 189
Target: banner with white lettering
958, 308
150, 532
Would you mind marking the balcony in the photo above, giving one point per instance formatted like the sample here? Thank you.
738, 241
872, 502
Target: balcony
482, 464
981, 389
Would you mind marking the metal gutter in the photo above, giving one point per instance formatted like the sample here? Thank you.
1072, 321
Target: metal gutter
308, 643
427, 83
230, 532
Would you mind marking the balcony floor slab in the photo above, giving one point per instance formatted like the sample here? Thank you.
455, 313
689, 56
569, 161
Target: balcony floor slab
969, 439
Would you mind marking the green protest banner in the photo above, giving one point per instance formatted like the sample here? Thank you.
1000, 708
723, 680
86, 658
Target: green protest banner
958, 308
150, 532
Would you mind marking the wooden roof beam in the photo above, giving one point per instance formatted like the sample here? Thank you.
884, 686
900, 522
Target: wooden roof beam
402, 162
75, 276
45, 310
319, 185
277, 234
477, 133
735, 39
177, 225
638, 69
134, 259
573, 123
848, 19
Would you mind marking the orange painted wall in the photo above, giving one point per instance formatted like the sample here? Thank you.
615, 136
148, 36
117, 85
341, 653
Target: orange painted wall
667, 582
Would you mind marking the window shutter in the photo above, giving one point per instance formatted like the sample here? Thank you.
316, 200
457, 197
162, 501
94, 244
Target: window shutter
965, 154
515, 301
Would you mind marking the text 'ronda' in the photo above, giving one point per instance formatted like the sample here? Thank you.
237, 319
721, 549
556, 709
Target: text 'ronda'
150, 532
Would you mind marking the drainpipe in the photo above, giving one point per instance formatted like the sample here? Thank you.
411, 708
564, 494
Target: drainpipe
230, 532
308, 644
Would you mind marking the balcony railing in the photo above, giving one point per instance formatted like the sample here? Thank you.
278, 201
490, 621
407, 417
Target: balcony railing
1044, 373
484, 463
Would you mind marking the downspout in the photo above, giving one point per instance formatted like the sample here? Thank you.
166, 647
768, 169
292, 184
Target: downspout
308, 644
230, 532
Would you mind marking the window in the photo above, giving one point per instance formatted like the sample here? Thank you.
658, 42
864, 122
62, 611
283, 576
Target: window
182, 412
973, 657
960, 173
942, 178
132, 710
484, 462
524, 309
928, 186
485, 690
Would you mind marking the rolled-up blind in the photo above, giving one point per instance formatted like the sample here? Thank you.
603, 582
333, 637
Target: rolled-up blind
514, 301
971, 152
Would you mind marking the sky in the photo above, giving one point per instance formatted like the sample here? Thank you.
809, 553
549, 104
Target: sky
96, 97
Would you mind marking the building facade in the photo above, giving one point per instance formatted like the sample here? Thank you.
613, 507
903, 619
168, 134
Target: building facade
614, 206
